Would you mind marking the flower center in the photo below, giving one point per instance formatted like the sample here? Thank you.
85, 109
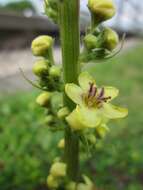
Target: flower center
95, 97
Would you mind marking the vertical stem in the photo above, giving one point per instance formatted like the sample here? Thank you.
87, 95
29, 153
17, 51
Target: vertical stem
69, 29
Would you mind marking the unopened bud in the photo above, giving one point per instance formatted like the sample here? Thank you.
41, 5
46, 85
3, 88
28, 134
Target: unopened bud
41, 45
52, 182
102, 131
61, 144
41, 68
43, 99
58, 169
72, 186
63, 112
110, 39
102, 9
55, 71
90, 41
91, 138
49, 119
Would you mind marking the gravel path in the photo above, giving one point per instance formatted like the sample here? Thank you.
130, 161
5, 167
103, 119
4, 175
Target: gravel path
10, 61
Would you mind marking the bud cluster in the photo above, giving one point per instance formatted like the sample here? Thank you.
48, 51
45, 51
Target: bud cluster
49, 74
99, 42
49, 78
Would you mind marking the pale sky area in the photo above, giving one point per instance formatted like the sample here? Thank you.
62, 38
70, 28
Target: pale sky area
132, 13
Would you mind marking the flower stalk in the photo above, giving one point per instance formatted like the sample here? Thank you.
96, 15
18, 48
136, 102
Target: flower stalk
69, 30
73, 101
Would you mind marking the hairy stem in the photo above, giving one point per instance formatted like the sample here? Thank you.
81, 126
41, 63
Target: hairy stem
69, 29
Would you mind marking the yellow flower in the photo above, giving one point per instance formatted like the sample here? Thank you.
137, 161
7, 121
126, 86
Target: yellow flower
93, 103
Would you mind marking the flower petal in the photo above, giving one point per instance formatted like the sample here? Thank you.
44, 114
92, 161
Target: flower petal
113, 112
82, 118
110, 91
74, 120
89, 116
84, 80
74, 92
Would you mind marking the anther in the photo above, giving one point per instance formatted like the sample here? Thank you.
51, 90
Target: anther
90, 89
101, 93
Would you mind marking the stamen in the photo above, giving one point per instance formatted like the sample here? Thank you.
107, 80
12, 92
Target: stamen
105, 98
90, 89
94, 90
101, 93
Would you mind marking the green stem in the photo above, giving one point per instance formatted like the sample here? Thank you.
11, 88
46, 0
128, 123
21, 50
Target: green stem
69, 29
94, 22
51, 56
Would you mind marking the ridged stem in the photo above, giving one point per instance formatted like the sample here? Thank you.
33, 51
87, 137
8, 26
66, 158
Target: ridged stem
69, 30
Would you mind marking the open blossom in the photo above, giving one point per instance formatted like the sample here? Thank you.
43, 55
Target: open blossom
93, 105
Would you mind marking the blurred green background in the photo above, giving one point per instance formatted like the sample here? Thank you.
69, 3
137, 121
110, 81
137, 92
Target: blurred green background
27, 147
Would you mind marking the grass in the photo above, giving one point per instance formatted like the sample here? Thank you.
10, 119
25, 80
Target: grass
118, 161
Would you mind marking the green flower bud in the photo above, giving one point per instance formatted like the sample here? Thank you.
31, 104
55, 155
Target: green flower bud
41, 68
92, 139
43, 99
49, 119
55, 71
52, 182
102, 131
110, 39
58, 169
61, 144
90, 41
41, 45
71, 186
102, 9
52, 14
63, 112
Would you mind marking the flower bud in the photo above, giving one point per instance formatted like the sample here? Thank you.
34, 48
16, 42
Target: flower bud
91, 138
41, 45
61, 144
90, 41
102, 131
41, 68
55, 71
102, 9
71, 186
52, 14
43, 99
58, 169
63, 112
110, 39
52, 182
48, 119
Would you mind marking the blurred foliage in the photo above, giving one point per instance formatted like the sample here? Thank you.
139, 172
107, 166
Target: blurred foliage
27, 147
18, 6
